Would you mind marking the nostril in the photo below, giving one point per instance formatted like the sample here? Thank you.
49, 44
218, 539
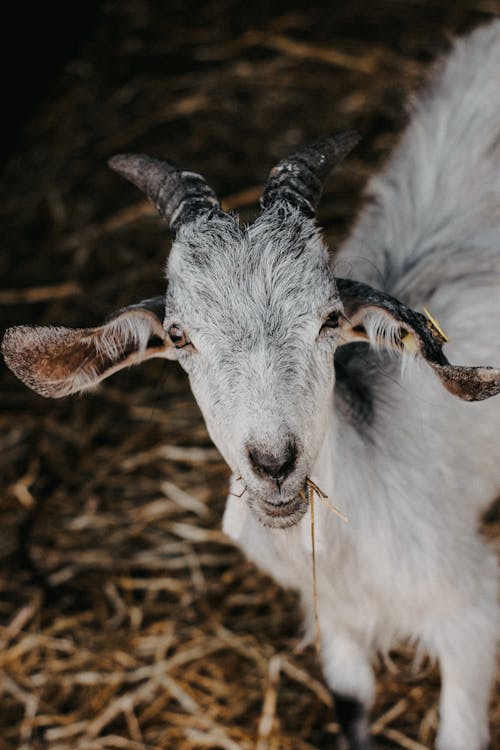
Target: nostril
278, 467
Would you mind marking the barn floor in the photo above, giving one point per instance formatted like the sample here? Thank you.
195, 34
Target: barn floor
127, 618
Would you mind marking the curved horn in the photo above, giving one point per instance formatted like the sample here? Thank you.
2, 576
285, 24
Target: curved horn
299, 178
179, 197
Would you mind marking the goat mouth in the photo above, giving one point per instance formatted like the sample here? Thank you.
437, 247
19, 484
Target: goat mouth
281, 510
284, 514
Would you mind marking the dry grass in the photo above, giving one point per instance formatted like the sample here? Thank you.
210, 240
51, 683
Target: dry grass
127, 619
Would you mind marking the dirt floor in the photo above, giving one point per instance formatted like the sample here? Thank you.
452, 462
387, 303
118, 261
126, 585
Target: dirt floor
127, 618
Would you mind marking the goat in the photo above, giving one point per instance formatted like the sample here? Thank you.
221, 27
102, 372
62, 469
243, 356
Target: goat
258, 317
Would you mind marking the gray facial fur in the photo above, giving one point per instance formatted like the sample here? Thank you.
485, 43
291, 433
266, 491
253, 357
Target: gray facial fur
253, 300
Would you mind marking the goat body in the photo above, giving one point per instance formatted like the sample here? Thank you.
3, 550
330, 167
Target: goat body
410, 465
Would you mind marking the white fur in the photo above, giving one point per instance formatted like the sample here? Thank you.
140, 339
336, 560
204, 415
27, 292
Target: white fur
122, 332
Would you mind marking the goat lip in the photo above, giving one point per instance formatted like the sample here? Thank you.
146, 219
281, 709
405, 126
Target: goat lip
282, 510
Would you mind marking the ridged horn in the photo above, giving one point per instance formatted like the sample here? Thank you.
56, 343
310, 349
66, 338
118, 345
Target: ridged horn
298, 179
179, 196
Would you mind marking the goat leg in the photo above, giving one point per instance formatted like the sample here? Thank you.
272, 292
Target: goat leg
354, 725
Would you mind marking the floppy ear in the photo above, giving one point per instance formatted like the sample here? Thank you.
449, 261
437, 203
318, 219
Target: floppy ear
56, 361
379, 318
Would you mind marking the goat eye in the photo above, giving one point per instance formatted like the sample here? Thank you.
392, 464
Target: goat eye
332, 321
177, 336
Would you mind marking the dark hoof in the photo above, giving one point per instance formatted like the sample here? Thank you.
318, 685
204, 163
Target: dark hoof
354, 724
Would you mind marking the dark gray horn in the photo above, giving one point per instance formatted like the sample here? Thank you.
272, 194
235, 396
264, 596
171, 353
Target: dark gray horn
179, 197
298, 179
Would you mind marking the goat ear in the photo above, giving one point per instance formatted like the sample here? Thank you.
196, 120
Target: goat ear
383, 321
55, 361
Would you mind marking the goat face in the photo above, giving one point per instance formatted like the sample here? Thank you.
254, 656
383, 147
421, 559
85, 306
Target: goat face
257, 310
253, 315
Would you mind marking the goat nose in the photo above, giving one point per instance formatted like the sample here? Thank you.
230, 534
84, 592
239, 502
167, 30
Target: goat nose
275, 467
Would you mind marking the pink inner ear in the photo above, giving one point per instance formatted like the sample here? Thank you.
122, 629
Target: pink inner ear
55, 362
469, 383
47, 359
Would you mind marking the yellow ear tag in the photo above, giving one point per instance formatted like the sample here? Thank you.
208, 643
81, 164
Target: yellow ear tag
435, 324
409, 342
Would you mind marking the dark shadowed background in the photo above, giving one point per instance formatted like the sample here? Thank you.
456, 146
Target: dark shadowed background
127, 620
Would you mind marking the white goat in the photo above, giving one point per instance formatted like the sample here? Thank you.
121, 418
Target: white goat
255, 315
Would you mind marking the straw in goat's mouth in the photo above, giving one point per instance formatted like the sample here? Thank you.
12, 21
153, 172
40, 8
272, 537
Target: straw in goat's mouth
313, 489
307, 496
